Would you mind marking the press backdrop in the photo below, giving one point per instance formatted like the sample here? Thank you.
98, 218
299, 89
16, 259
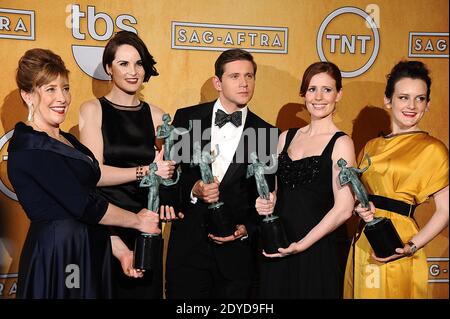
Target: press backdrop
365, 38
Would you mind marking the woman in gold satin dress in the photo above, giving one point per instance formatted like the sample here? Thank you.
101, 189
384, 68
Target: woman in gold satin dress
408, 167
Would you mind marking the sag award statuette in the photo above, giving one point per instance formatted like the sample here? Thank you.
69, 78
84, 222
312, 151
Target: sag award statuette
272, 230
147, 247
167, 132
380, 231
219, 220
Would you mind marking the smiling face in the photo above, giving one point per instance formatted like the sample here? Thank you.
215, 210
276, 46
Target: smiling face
237, 84
50, 102
127, 70
408, 103
321, 96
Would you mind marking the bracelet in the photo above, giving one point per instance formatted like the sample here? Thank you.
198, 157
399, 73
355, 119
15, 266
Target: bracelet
139, 173
244, 237
412, 248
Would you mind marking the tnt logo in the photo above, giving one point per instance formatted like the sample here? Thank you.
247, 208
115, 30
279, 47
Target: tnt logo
17, 24
99, 26
345, 39
428, 45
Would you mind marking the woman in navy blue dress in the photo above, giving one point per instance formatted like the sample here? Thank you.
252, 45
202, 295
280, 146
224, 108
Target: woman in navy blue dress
67, 252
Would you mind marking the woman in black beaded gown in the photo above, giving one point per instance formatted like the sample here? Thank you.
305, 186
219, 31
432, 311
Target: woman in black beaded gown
309, 198
120, 130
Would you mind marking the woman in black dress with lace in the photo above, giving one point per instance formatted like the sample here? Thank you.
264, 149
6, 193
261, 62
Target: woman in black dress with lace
309, 199
120, 130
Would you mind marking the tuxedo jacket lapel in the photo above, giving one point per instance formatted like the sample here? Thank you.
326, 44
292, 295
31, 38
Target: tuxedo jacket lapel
206, 128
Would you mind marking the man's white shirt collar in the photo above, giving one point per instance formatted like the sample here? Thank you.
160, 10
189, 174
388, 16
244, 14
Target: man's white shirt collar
227, 137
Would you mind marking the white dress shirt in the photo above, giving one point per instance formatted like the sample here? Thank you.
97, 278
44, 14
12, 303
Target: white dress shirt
227, 137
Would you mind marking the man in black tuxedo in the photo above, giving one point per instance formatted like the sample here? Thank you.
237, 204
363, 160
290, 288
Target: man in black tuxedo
201, 264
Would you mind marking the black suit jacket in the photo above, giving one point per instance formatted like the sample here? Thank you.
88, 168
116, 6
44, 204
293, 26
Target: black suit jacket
236, 190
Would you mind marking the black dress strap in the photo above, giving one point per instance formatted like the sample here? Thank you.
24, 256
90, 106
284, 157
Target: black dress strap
289, 136
329, 148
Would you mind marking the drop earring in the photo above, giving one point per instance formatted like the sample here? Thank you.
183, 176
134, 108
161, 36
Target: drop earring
30, 112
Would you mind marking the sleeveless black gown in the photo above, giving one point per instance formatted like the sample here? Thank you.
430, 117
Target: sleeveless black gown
304, 197
129, 141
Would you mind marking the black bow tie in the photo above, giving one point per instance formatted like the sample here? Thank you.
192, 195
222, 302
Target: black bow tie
222, 118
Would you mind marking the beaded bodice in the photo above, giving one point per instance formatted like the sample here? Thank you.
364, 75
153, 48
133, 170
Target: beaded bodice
300, 172
305, 188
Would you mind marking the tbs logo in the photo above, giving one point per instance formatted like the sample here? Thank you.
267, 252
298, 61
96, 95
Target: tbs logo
88, 57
